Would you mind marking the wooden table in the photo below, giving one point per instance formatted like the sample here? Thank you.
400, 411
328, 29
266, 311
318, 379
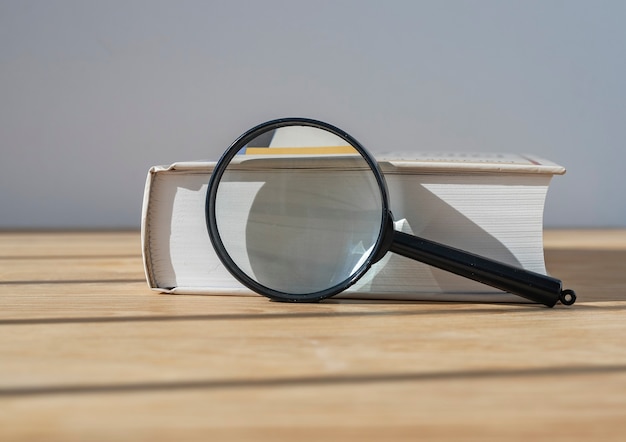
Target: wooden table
88, 353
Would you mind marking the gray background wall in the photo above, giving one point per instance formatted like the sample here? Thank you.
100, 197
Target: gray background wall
92, 93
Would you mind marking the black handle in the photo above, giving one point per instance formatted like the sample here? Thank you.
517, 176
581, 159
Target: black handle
530, 285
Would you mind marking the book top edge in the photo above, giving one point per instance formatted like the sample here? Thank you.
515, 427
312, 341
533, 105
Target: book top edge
418, 162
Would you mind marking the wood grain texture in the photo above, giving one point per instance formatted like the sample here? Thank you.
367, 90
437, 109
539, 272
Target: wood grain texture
88, 352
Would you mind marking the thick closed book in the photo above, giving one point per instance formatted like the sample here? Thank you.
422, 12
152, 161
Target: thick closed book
488, 204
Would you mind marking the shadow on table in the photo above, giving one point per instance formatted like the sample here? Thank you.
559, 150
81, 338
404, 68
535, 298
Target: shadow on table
445, 310
595, 275
311, 381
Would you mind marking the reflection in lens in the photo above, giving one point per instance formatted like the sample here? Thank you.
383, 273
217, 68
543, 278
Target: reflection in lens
299, 210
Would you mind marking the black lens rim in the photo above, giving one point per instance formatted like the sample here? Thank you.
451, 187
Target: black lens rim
211, 220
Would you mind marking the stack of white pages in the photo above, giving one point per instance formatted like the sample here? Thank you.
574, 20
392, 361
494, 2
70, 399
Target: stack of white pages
488, 204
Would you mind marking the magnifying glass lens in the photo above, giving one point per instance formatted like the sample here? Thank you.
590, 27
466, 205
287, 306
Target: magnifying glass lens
299, 211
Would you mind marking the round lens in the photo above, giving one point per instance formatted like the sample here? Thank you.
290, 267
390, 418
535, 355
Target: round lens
298, 211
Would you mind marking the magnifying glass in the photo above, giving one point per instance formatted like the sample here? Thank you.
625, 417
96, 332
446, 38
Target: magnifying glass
298, 210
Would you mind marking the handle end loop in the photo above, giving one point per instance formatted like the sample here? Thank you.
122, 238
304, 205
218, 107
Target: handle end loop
567, 297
